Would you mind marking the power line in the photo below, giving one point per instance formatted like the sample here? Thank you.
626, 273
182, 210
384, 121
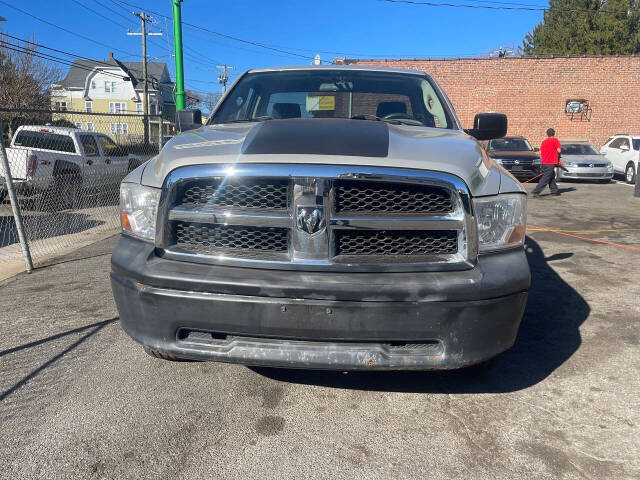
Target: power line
65, 30
224, 35
495, 7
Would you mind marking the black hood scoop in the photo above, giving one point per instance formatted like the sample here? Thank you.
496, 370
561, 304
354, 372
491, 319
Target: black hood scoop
318, 136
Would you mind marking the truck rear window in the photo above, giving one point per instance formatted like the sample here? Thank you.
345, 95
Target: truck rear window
44, 141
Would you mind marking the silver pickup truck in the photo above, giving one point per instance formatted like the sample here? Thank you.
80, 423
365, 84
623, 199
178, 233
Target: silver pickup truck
325, 217
61, 163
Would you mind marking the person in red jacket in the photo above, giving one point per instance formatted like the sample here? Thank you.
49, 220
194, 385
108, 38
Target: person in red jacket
550, 153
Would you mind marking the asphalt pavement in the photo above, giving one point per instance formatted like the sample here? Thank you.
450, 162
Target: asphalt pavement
79, 399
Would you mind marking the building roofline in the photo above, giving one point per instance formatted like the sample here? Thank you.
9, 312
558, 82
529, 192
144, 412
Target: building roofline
355, 61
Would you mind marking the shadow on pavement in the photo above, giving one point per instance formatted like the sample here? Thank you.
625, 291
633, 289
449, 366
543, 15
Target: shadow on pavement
50, 225
549, 335
93, 329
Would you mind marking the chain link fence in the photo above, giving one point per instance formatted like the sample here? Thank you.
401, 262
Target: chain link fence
66, 168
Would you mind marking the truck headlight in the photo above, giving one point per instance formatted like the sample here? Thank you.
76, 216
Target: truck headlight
501, 221
139, 208
536, 161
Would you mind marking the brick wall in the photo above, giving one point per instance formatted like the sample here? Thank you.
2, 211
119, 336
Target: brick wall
533, 92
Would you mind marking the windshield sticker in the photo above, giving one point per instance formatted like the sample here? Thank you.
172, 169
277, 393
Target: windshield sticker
324, 102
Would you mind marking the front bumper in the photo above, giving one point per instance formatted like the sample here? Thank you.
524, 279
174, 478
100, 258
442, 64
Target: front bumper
524, 172
584, 173
426, 320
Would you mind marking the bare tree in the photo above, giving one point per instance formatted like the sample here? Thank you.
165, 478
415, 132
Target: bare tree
25, 78
210, 101
192, 99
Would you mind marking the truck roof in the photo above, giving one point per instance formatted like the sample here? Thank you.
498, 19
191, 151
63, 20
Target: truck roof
51, 129
341, 67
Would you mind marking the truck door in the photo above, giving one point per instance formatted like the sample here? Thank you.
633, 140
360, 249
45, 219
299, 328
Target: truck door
116, 160
93, 166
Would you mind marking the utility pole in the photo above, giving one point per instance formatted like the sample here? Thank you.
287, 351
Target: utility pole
144, 18
223, 77
177, 42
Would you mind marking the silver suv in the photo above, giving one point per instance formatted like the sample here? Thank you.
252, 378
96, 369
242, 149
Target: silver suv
623, 151
325, 217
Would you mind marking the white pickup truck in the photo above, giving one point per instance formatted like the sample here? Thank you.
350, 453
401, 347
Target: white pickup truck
62, 163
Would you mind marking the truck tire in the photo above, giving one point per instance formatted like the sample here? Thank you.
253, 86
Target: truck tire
164, 356
64, 194
630, 173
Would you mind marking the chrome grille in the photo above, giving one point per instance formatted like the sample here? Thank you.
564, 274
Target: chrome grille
368, 197
258, 194
591, 165
317, 217
217, 239
390, 243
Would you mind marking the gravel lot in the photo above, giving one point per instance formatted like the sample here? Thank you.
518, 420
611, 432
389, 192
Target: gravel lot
78, 399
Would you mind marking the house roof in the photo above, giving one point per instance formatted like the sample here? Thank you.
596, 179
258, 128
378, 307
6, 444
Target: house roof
77, 74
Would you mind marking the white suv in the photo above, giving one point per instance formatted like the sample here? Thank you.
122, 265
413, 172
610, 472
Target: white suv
623, 153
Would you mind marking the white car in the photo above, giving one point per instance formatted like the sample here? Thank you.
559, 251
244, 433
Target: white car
623, 151
61, 163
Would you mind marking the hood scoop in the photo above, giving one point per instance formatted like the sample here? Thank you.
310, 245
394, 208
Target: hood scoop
316, 136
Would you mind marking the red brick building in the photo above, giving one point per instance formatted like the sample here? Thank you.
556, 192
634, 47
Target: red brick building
533, 92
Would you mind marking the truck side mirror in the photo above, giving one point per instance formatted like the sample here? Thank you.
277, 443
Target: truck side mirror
487, 126
188, 120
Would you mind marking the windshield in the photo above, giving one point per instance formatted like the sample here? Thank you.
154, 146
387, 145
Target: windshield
364, 95
510, 145
578, 149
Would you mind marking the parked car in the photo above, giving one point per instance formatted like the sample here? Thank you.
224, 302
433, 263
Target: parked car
583, 162
516, 155
325, 217
623, 151
61, 162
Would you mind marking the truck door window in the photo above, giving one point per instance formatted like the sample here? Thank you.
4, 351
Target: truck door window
89, 145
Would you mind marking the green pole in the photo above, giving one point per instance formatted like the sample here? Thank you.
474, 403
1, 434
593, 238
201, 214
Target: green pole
177, 42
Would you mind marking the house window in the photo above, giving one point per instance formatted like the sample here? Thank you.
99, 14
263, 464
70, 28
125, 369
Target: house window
61, 106
93, 84
117, 107
139, 110
88, 105
79, 125
119, 128
109, 86
90, 126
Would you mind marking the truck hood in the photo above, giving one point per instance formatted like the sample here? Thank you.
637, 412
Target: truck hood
359, 143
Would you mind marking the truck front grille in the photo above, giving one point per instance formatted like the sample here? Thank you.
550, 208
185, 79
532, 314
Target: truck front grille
316, 217
220, 239
367, 197
392, 243
258, 194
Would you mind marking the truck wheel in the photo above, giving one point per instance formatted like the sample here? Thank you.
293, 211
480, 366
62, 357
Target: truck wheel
630, 173
164, 356
63, 194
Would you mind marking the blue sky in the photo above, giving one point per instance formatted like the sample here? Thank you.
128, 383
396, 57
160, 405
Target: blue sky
356, 29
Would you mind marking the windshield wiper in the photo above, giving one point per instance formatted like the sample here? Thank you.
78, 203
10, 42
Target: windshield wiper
366, 116
247, 120
393, 121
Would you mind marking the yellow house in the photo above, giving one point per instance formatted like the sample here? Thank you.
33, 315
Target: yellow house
113, 87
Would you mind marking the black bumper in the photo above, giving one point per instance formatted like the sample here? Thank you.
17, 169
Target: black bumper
320, 320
